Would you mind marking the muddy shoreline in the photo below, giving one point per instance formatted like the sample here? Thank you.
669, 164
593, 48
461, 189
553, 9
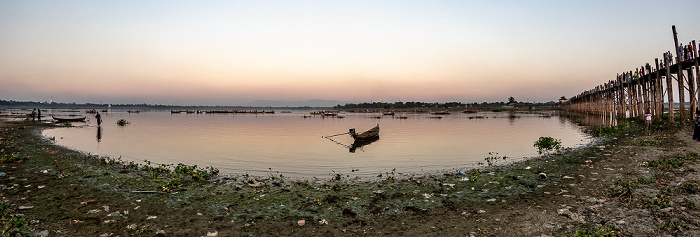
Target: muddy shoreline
606, 187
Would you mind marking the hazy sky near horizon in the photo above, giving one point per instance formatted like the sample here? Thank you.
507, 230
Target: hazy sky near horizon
234, 52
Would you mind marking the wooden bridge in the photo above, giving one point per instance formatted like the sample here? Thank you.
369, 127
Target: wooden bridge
632, 93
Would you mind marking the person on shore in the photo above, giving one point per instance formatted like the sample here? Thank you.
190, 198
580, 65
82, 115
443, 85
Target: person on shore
98, 118
38, 114
647, 120
34, 114
696, 132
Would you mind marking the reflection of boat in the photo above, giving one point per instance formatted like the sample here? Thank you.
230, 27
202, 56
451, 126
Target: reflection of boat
77, 119
361, 143
367, 135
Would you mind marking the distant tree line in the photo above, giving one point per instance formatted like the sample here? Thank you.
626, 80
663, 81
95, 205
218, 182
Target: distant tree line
447, 105
74, 105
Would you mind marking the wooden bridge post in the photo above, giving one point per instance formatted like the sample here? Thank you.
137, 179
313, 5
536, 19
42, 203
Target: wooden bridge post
659, 92
697, 76
681, 84
669, 88
691, 90
645, 96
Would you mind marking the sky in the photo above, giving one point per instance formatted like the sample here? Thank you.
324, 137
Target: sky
234, 52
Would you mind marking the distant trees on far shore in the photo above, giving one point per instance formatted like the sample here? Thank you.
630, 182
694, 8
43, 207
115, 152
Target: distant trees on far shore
447, 105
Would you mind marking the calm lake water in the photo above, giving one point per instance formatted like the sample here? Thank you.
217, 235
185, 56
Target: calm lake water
294, 146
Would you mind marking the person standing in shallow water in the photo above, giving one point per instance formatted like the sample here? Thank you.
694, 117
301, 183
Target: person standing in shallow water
98, 118
696, 132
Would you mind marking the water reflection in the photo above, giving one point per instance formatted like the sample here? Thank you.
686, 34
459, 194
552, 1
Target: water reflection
361, 143
588, 120
99, 134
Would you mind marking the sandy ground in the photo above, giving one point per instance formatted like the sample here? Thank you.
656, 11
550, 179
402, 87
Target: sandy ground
628, 185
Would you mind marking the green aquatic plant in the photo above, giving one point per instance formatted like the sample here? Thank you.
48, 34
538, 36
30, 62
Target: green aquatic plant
122, 122
547, 144
493, 158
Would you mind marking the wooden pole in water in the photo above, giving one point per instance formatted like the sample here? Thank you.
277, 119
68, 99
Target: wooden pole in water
669, 88
681, 87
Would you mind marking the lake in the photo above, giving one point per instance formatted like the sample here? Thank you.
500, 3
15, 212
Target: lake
293, 143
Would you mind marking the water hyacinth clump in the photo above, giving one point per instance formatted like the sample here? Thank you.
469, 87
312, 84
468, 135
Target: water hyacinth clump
547, 144
122, 122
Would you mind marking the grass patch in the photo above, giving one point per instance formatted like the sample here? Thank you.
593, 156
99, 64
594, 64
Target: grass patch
673, 227
606, 230
11, 225
14, 157
623, 189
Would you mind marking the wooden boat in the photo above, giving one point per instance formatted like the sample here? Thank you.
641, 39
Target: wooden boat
367, 135
76, 119
441, 112
389, 113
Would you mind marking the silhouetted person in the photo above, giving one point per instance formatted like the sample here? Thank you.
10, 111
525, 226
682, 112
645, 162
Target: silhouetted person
98, 118
39, 115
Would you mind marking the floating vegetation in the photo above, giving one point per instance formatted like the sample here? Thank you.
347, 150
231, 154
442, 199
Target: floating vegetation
122, 122
547, 144
493, 158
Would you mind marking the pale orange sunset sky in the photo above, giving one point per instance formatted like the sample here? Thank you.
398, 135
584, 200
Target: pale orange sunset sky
234, 52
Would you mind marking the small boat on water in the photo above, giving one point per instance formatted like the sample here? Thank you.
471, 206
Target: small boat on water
389, 113
441, 112
74, 119
367, 135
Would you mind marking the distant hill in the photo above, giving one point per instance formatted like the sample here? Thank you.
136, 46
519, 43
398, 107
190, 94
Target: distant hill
309, 103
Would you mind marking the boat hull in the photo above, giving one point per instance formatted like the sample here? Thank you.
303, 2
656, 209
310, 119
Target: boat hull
367, 135
79, 119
